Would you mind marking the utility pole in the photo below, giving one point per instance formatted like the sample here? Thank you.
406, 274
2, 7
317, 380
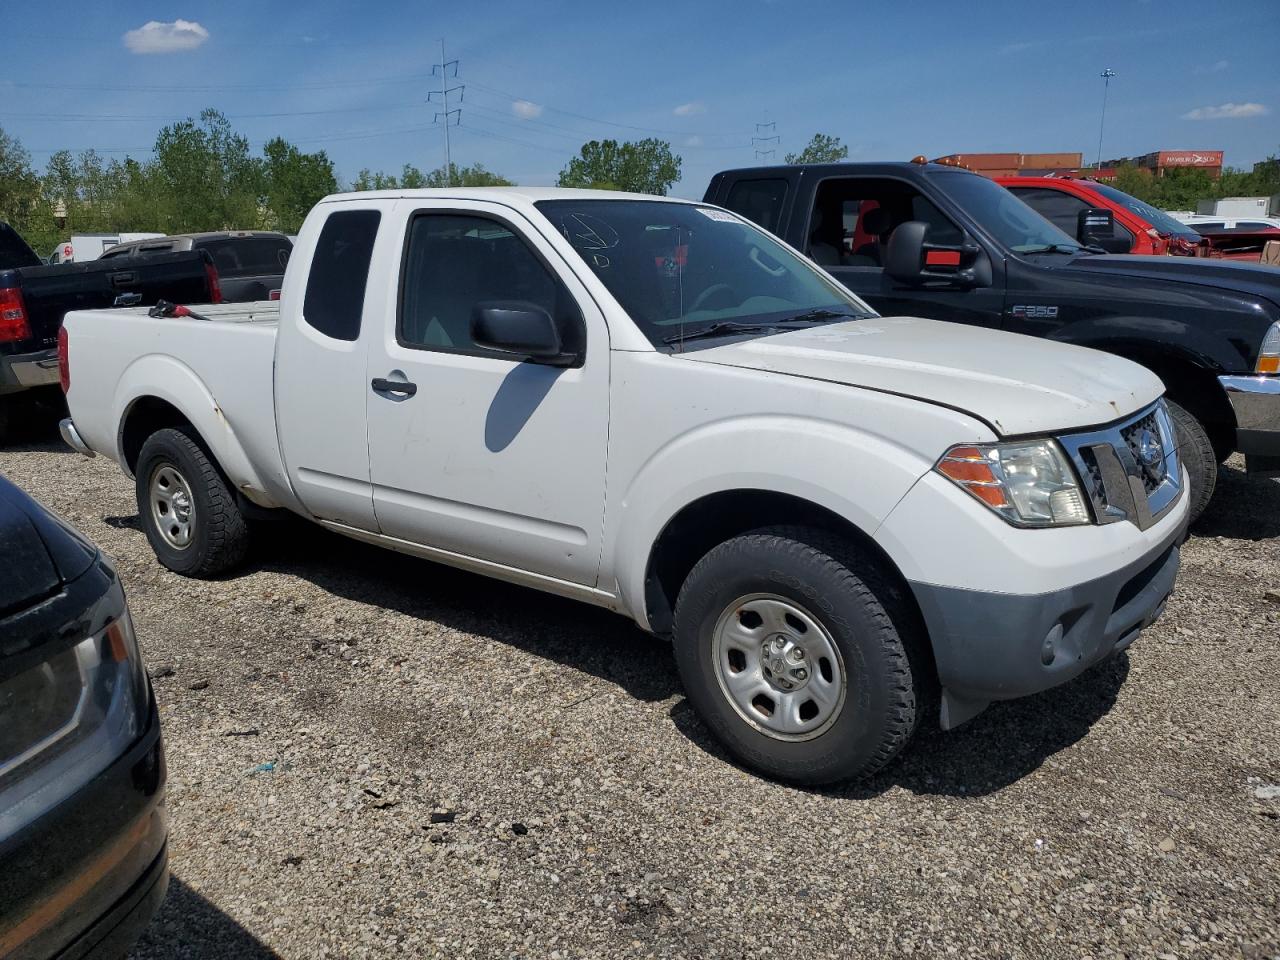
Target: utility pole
444, 111
766, 153
1106, 75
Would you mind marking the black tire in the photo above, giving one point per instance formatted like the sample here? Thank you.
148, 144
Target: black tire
845, 593
1197, 455
219, 537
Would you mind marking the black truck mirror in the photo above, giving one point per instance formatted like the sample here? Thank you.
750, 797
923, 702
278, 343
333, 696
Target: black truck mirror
1096, 227
912, 260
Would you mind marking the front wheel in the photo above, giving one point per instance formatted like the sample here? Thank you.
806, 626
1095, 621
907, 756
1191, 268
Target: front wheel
1196, 452
790, 652
187, 511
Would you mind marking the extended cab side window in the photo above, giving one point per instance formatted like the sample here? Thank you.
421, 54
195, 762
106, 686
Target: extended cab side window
760, 201
339, 273
854, 217
456, 262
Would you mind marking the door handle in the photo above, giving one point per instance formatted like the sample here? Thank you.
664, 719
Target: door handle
383, 385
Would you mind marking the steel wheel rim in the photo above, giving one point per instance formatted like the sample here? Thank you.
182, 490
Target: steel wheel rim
779, 667
172, 506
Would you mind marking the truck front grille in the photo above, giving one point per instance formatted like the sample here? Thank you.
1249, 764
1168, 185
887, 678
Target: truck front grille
1130, 470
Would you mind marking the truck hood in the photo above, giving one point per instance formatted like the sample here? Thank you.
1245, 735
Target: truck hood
1017, 384
1251, 278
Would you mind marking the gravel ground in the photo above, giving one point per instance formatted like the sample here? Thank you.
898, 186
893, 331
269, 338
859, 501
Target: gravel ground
464, 768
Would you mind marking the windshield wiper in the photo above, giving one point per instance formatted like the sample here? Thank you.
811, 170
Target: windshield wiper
814, 316
1050, 248
718, 329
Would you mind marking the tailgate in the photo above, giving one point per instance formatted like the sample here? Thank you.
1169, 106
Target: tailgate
49, 292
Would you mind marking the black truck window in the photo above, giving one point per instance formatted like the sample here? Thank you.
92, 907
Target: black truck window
1059, 208
339, 273
853, 218
760, 201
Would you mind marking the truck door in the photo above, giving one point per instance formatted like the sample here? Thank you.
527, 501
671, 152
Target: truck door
474, 452
848, 230
320, 366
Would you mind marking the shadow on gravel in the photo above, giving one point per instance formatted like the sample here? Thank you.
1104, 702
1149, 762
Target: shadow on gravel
131, 522
565, 631
1242, 508
1000, 746
189, 926
31, 425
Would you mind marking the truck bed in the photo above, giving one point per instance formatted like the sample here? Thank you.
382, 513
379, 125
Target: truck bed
225, 360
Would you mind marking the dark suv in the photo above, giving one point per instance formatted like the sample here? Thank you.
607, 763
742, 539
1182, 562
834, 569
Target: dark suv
83, 835
250, 263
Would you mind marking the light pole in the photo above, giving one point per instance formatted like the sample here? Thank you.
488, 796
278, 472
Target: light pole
1106, 75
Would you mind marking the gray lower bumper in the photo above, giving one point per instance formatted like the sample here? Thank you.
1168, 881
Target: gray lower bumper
1256, 403
23, 371
993, 646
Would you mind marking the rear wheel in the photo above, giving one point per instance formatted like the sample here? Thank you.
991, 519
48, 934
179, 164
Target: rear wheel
1197, 454
187, 511
790, 651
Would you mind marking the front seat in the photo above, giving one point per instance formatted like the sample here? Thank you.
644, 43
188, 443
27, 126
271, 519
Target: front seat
821, 250
878, 224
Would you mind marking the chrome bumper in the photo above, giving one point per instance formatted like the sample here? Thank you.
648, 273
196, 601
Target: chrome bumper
1256, 402
72, 439
26, 370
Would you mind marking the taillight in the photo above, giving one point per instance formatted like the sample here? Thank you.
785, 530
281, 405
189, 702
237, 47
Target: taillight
64, 360
13, 316
215, 287
273, 295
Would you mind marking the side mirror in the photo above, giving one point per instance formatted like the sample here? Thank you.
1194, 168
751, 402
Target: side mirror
522, 329
1096, 226
912, 260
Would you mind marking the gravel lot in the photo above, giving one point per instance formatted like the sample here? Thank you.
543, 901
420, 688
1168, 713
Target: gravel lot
464, 768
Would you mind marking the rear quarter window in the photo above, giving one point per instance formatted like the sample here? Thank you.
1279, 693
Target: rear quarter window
340, 272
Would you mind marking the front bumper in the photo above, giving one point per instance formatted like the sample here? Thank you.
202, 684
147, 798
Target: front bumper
997, 646
26, 371
84, 879
1256, 403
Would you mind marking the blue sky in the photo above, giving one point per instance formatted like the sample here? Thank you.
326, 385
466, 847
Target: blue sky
891, 79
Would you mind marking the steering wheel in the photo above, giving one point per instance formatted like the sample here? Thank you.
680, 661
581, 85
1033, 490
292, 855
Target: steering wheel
711, 291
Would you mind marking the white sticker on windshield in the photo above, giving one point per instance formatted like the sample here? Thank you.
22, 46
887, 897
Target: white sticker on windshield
721, 215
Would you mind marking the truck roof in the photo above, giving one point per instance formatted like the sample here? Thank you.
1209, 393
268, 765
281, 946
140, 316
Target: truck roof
899, 167
504, 194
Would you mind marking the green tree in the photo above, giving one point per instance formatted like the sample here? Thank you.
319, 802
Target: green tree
205, 177
643, 166
821, 149
293, 183
369, 180
22, 202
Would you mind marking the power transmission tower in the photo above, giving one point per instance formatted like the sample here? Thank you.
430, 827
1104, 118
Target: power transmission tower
442, 70
766, 153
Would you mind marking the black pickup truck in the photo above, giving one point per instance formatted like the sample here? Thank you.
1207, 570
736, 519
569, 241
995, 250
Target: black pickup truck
34, 298
930, 240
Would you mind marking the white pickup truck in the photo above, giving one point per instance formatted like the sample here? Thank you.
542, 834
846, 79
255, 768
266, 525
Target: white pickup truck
842, 520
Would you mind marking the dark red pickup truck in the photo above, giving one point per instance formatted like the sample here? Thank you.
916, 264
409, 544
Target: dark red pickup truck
34, 298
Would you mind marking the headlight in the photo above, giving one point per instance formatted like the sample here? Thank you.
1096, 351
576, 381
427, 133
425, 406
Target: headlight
1269, 355
1029, 483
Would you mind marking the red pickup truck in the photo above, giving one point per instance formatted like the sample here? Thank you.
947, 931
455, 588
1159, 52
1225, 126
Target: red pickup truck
1144, 228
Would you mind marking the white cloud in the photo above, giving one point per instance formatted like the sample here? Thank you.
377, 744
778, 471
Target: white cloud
1227, 111
157, 37
694, 141
1216, 67
526, 110
690, 109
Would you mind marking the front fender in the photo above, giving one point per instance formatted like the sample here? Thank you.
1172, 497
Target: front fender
855, 474
168, 379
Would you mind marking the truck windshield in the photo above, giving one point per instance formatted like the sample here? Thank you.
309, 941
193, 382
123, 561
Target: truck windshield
1004, 216
248, 256
1157, 218
686, 272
